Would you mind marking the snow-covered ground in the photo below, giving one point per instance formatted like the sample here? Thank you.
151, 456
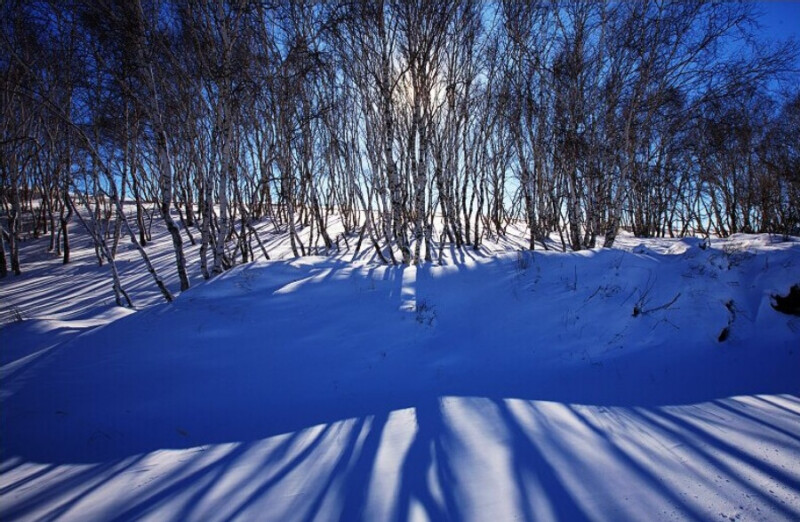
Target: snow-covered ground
653, 381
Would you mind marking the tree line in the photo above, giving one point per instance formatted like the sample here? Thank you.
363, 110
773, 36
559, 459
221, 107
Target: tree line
419, 124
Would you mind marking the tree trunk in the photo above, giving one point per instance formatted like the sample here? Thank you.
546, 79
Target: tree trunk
165, 181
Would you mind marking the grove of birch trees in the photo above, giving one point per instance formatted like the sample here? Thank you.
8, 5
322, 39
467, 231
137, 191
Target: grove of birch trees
416, 124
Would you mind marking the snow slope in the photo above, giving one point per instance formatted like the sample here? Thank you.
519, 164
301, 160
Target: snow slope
524, 386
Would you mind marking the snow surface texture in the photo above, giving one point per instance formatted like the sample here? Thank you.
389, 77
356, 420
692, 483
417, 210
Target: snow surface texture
525, 386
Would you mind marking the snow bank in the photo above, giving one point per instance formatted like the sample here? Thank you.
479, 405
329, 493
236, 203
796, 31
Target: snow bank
541, 386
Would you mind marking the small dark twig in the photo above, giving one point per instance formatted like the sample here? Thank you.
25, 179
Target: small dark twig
637, 310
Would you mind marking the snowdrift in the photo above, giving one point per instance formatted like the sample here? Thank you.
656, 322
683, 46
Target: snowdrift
654, 381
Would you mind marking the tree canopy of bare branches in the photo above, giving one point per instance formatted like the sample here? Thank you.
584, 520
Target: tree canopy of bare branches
419, 123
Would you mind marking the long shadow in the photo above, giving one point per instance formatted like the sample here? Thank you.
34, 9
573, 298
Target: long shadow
529, 463
282, 471
176, 482
339, 469
246, 386
773, 404
761, 422
73, 487
88, 487
720, 444
682, 428
700, 443
427, 450
26, 480
356, 489
687, 511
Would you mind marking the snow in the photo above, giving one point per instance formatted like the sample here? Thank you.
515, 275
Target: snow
500, 385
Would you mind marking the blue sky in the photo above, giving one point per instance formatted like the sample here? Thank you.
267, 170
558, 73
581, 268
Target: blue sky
781, 20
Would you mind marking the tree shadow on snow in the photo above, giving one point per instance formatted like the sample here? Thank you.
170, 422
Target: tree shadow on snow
281, 385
